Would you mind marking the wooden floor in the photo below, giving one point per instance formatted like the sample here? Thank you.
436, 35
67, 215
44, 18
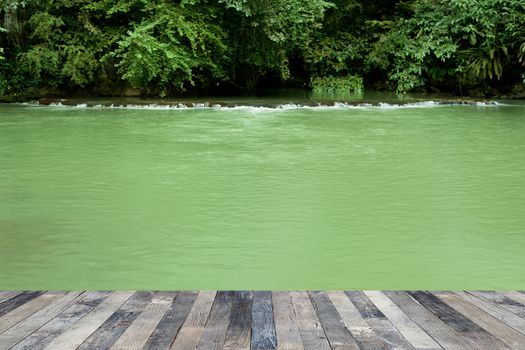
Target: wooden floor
262, 320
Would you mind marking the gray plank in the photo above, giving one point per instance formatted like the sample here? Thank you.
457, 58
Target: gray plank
466, 327
355, 323
503, 301
286, 326
107, 334
411, 331
492, 325
44, 335
238, 332
8, 294
138, 333
168, 328
447, 337
312, 333
27, 309
338, 335
263, 327
16, 301
36, 320
496, 310
382, 326
214, 334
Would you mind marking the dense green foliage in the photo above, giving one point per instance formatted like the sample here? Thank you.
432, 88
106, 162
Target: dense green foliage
167, 47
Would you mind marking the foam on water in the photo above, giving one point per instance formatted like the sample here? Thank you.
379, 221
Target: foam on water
284, 106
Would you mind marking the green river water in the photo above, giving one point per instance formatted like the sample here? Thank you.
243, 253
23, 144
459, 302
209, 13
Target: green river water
371, 197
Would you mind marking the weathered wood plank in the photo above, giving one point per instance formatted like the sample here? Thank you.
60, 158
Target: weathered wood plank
502, 301
486, 331
44, 335
8, 294
355, 323
496, 311
310, 328
192, 329
107, 334
338, 335
463, 325
263, 327
169, 326
447, 337
138, 333
411, 331
382, 326
19, 331
286, 328
27, 309
238, 333
516, 296
214, 334
81, 330
12, 303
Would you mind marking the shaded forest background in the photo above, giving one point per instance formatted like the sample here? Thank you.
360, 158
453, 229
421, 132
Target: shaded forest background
166, 47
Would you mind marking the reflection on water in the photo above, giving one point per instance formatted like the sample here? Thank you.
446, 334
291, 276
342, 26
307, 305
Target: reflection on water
426, 197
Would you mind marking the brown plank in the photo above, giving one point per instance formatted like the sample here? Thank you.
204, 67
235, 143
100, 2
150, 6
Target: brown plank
192, 329
338, 335
382, 326
10, 304
238, 333
214, 334
169, 326
286, 327
312, 333
44, 335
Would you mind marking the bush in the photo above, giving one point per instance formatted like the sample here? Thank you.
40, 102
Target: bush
350, 86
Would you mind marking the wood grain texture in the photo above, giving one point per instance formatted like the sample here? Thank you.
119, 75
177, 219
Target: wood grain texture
44, 335
496, 310
501, 300
81, 330
8, 294
411, 331
238, 334
263, 327
382, 326
355, 323
192, 329
338, 335
107, 334
36, 320
214, 334
312, 333
507, 334
286, 328
138, 333
169, 326
457, 321
27, 309
448, 338
14, 302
